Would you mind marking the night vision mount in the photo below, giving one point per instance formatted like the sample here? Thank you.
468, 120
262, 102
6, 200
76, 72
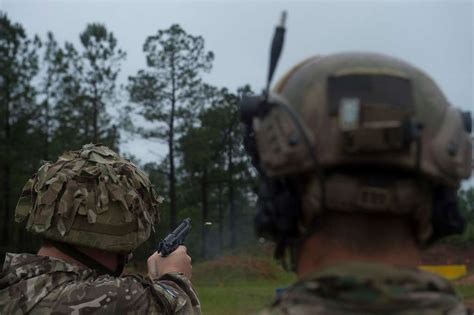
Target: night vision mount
278, 201
257, 105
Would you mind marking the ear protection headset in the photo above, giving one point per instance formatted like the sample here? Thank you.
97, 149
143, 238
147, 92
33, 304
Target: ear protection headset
279, 201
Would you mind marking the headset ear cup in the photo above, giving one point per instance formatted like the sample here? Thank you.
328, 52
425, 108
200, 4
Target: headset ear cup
278, 205
278, 209
446, 217
288, 207
264, 225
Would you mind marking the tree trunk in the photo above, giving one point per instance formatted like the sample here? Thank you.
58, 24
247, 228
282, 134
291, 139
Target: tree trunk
172, 176
6, 201
47, 117
46, 132
6, 177
95, 114
221, 217
172, 183
230, 161
205, 214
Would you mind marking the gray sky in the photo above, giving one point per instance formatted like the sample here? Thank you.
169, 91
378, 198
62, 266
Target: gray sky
436, 36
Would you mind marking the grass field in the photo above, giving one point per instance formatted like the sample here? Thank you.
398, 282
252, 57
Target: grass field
238, 284
236, 298
235, 285
248, 297
466, 291
241, 295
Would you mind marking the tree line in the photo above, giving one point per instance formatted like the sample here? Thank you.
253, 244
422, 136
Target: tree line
57, 96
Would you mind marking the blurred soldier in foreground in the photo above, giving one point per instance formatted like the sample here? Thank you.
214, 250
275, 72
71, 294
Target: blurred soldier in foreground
360, 157
92, 208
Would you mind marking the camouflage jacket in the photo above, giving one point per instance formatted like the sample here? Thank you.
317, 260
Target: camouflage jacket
43, 285
360, 288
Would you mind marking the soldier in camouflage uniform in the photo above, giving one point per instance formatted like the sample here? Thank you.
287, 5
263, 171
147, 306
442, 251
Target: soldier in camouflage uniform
93, 208
360, 157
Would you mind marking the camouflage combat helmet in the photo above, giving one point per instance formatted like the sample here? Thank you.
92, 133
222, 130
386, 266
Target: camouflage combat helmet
377, 132
92, 198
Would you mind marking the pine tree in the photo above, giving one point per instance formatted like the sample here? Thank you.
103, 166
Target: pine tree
101, 60
213, 160
18, 67
168, 93
70, 106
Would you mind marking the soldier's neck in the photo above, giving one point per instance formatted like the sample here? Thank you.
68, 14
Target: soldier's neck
109, 260
350, 238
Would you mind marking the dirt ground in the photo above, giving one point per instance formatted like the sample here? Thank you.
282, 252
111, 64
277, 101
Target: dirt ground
445, 254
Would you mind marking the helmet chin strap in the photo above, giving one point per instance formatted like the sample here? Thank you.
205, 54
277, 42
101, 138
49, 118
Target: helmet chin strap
88, 261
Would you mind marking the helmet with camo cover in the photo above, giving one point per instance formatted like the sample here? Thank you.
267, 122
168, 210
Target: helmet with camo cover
363, 132
91, 198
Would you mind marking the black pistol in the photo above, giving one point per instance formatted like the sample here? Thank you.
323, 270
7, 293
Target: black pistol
175, 238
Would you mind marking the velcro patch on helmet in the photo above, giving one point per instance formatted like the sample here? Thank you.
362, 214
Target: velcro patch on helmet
373, 198
374, 111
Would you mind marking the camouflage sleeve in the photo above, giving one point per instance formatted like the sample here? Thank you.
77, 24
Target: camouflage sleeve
184, 299
131, 294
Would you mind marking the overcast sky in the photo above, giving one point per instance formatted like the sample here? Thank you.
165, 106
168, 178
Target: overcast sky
436, 36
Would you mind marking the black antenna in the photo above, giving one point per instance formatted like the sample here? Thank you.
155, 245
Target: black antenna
277, 45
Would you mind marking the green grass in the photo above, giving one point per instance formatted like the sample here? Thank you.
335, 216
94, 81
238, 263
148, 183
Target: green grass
249, 297
241, 282
237, 285
237, 298
465, 290
244, 282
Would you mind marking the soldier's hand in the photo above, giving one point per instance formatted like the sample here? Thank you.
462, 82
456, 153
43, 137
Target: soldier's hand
177, 261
